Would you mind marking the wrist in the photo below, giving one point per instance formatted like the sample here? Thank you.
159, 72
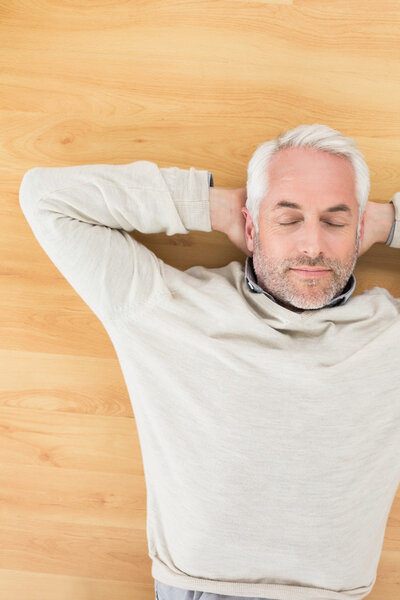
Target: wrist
385, 222
222, 207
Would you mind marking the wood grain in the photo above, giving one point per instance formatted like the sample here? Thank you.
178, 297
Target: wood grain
194, 83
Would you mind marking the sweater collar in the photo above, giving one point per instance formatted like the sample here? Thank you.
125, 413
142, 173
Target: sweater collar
251, 280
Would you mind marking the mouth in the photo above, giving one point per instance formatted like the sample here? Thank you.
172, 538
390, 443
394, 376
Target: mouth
311, 272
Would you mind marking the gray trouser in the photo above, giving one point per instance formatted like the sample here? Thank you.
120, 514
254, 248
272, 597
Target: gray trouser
168, 592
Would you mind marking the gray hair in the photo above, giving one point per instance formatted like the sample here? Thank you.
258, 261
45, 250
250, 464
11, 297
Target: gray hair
318, 137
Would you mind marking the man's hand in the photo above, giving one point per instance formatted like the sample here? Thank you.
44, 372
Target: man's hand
226, 215
379, 218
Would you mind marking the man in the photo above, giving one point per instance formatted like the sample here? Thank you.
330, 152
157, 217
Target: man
266, 398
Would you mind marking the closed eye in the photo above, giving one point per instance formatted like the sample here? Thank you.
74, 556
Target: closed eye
293, 223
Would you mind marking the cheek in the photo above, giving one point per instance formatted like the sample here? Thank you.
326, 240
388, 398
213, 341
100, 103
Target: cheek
274, 253
274, 243
345, 245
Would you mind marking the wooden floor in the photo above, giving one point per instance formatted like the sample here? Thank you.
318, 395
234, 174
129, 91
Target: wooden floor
179, 82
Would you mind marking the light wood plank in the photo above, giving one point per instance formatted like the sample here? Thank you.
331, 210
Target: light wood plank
196, 83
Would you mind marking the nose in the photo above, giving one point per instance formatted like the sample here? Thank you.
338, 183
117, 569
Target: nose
310, 241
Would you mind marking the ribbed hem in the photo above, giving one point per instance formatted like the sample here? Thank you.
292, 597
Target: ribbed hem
164, 574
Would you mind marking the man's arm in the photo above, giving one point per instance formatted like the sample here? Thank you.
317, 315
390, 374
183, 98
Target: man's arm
82, 216
378, 222
226, 215
388, 222
379, 225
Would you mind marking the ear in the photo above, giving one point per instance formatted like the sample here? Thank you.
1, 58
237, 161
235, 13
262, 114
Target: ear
360, 242
362, 225
249, 229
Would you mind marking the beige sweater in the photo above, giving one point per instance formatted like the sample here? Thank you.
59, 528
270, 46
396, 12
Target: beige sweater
270, 438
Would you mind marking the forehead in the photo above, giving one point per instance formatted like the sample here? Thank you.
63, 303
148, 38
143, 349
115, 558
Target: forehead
311, 174
296, 161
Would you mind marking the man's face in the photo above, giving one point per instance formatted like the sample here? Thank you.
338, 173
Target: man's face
308, 237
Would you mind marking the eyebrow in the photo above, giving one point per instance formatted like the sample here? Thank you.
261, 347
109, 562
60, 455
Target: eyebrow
336, 208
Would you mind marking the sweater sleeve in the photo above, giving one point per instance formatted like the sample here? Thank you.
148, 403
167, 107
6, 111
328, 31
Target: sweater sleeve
82, 215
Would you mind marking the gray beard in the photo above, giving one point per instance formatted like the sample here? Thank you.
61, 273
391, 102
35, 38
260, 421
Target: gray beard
275, 280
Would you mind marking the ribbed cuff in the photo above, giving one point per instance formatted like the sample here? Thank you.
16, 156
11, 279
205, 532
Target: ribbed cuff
394, 237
